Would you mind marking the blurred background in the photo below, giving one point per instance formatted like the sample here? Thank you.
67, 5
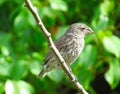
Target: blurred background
23, 46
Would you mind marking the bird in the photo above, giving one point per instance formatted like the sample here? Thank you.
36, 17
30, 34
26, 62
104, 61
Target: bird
70, 46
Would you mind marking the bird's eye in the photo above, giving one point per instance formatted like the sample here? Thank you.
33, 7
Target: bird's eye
82, 28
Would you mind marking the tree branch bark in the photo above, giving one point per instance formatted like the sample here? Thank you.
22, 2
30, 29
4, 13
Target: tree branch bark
66, 69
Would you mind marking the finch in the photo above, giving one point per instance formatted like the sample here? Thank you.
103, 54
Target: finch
70, 45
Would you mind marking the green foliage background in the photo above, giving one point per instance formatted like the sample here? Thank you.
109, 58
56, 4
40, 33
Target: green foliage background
23, 46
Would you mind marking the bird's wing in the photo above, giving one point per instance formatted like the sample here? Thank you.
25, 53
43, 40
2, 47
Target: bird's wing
59, 43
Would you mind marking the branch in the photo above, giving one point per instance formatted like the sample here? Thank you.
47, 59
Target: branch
54, 49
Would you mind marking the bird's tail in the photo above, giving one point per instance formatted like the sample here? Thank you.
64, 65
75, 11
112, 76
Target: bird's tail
42, 73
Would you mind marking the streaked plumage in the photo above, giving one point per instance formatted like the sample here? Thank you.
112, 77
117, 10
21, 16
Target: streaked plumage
70, 45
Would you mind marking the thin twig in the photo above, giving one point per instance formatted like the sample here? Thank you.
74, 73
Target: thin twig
54, 49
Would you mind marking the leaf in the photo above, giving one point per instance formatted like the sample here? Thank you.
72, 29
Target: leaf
112, 45
106, 7
4, 50
21, 20
61, 31
2, 1
84, 76
58, 5
4, 68
31, 20
89, 55
19, 70
18, 87
1, 87
35, 67
112, 76
5, 38
56, 75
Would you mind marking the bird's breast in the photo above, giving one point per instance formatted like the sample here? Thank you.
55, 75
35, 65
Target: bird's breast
73, 48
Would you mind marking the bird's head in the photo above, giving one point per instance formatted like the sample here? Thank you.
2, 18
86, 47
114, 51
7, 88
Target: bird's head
81, 28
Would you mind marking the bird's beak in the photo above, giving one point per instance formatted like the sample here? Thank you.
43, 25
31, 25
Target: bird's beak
89, 31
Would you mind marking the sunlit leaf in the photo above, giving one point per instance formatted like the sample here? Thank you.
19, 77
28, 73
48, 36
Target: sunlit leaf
48, 12
56, 75
61, 31
112, 45
18, 87
112, 76
89, 55
21, 20
31, 20
102, 23
35, 67
106, 7
4, 68
58, 5
4, 50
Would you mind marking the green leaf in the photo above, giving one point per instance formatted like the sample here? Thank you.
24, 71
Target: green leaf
4, 50
112, 76
2, 1
89, 55
56, 75
4, 68
21, 20
31, 20
84, 76
106, 7
112, 45
1, 87
61, 31
47, 11
18, 87
5, 38
19, 70
58, 5
35, 67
